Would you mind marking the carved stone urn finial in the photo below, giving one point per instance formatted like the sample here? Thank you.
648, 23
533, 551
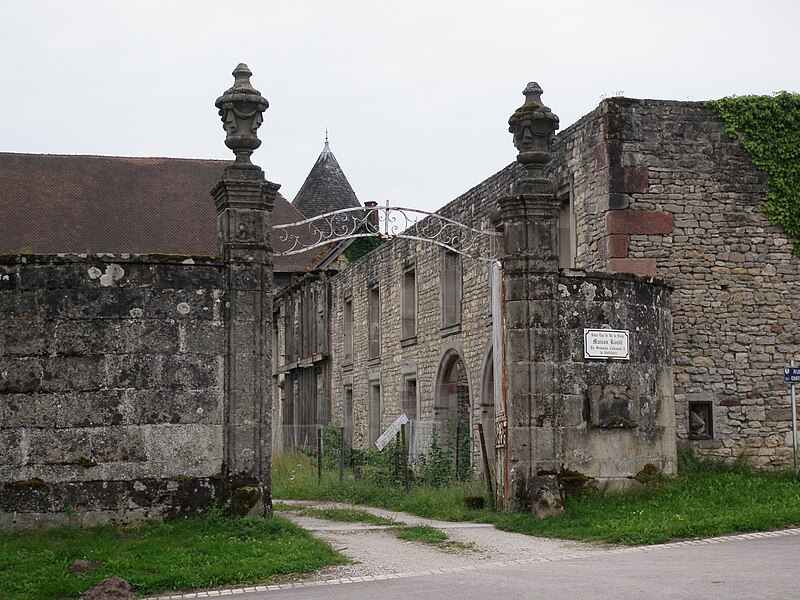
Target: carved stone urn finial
242, 110
533, 126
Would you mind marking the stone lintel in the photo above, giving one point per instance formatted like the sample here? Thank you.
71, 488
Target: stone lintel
637, 266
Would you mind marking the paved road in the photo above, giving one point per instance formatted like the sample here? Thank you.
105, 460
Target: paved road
753, 566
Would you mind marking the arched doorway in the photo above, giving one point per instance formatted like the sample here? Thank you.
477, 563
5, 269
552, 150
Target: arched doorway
451, 411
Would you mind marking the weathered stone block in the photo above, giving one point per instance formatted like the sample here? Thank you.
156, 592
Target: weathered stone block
20, 375
545, 497
615, 246
25, 337
73, 373
638, 266
181, 444
200, 337
150, 336
190, 372
639, 222
59, 446
89, 409
153, 407
133, 371
87, 336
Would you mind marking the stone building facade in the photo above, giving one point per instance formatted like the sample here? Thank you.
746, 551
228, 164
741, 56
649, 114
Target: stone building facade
654, 189
411, 331
660, 189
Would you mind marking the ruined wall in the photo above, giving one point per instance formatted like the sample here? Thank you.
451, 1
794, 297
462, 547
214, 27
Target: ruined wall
111, 377
684, 203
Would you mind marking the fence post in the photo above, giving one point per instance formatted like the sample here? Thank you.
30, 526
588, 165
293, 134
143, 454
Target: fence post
341, 455
404, 442
319, 455
486, 470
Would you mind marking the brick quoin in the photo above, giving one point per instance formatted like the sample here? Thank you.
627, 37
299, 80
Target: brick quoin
637, 266
639, 222
614, 246
600, 157
635, 180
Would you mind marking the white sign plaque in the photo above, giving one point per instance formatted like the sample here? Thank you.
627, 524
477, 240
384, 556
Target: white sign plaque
606, 343
391, 431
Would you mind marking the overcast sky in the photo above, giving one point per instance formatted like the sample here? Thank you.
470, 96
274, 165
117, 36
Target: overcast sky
415, 94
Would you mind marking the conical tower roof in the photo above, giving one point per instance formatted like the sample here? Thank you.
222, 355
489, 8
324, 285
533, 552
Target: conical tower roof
326, 188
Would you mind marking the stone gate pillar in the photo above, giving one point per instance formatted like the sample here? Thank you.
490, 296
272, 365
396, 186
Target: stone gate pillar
530, 220
244, 201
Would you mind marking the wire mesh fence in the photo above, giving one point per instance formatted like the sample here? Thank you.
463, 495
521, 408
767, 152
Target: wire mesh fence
421, 452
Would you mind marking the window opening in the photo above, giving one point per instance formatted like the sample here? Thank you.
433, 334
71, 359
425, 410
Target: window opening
701, 421
408, 305
409, 403
348, 331
451, 289
374, 325
374, 416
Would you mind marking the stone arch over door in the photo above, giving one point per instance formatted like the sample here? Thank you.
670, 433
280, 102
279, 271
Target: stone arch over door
488, 411
451, 410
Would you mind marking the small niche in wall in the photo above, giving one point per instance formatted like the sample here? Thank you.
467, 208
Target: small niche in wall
701, 421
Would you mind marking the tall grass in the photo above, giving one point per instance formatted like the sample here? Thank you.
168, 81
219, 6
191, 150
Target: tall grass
294, 476
707, 498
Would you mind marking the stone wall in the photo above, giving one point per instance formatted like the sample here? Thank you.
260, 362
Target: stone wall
677, 198
616, 414
111, 386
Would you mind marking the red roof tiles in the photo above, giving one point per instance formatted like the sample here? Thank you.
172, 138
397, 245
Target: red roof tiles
60, 203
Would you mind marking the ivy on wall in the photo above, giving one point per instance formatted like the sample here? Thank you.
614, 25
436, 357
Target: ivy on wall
768, 127
360, 247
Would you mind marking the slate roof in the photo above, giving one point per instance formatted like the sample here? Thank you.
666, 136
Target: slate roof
63, 203
326, 188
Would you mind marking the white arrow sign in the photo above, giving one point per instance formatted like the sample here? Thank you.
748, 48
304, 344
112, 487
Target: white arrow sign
391, 431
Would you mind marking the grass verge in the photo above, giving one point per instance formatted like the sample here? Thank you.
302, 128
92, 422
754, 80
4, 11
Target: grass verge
343, 515
158, 557
706, 499
424, 534
429, 535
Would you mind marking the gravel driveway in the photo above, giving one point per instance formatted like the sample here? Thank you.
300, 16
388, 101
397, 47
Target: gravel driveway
377, 551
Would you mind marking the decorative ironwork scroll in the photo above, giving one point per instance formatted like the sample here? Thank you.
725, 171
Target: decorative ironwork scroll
387, 222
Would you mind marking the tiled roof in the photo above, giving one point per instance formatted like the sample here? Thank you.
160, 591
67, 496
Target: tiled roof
326, 188
61, 203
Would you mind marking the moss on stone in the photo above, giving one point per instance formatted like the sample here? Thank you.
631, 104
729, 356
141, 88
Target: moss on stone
32, 482
649, 475
244, 500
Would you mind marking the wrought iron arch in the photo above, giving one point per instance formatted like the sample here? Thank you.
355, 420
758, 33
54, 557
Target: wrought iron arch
388, 222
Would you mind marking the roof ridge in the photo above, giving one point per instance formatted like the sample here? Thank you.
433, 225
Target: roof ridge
114, 156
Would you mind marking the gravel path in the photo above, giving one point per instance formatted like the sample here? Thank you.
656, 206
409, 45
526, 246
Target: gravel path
377, 551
